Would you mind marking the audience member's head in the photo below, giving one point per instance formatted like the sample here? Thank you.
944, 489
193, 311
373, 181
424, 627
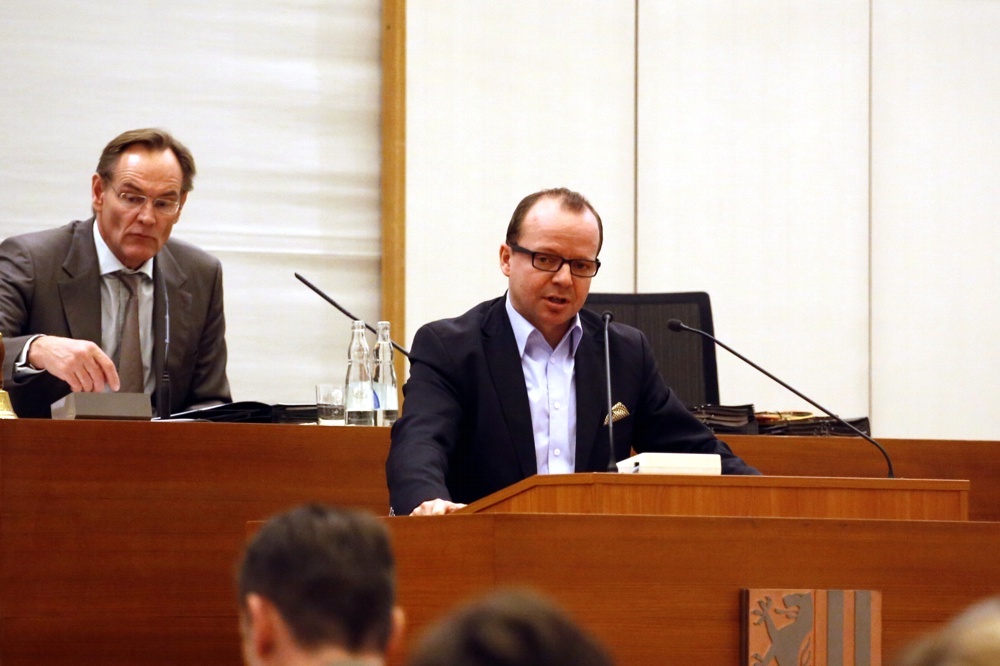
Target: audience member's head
317, 584
971, 639
510, 628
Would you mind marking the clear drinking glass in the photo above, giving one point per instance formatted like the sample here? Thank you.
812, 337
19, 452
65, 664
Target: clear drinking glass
330, 404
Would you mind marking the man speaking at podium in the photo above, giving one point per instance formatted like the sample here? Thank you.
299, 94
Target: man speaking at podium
84, 307
516, 385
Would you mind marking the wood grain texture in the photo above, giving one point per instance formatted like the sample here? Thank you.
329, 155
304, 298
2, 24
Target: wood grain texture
394, 175
666, 590
976, 461
768, 496
118, 541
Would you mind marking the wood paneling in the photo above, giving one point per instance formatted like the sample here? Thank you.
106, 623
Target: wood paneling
769, 496
976, 461
394, 174
666, 590
120, 540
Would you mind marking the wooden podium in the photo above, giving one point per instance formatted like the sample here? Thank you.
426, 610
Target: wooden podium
654, 565
747, 496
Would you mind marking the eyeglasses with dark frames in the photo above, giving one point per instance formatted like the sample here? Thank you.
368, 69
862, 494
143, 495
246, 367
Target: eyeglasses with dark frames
163, 207
552, 263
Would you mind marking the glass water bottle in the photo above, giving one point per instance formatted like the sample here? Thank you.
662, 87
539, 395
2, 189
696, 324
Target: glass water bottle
359, 399
384, 378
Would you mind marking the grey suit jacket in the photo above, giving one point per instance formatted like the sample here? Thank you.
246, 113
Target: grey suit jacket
466, 428
50, 283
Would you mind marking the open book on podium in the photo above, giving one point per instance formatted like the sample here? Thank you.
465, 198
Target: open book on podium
733, 496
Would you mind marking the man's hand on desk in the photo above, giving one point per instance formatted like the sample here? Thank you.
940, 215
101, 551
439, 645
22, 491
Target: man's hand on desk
79, 363
436, 507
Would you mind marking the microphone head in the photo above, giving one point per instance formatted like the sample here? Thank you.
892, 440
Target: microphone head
608, 315
676, 325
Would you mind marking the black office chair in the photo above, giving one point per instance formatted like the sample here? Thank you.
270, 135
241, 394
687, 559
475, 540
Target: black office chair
686, 360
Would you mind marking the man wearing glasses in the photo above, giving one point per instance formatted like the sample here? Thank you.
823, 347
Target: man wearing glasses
85, 307
516, 386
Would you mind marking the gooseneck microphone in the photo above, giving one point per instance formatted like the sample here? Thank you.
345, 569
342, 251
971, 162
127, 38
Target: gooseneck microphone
335, 304
163, 389
676, 325
607, 316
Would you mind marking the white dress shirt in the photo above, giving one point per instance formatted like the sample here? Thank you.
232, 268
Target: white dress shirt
549, 376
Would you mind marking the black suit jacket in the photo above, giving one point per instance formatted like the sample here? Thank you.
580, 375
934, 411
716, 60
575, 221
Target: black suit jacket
50, 283
466, 426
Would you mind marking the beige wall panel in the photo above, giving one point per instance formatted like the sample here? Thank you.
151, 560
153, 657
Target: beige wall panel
753, 186
936, 204
267, 309
505, 98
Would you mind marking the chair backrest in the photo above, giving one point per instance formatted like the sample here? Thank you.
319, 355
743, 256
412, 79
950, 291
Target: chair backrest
686, 360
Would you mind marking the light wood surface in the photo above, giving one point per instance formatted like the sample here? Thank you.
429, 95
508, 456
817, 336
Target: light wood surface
769, 496
394, 175
976, 461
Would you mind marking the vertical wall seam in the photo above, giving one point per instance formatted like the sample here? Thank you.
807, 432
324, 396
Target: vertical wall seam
871, 254
635, 153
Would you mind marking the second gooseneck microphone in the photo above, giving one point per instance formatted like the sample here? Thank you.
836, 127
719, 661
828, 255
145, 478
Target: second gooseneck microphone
677, 325
337, 305
163, 396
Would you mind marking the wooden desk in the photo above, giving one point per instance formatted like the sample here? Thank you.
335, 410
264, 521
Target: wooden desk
118, 540
977, 461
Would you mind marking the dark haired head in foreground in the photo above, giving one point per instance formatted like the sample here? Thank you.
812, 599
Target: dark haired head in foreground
971, 639
510, 628
317, 585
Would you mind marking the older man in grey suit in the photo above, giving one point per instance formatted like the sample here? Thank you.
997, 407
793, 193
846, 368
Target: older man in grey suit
85, 307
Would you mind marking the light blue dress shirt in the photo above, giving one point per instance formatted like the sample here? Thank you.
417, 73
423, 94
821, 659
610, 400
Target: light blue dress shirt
549, 376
